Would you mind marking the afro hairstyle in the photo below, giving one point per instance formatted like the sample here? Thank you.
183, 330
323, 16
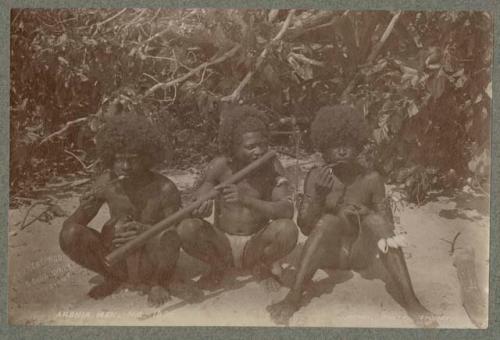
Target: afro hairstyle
237, 120
130, 133
339, 125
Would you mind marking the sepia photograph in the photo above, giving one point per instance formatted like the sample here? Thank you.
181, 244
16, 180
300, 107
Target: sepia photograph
249, 167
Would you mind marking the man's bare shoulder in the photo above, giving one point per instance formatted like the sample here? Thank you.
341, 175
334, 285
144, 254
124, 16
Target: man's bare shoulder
102, 179
311, 178
219, 162
98, 186
216, 168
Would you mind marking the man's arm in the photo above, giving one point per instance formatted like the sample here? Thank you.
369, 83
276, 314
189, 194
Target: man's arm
170, 201
90, 203
312, 205
170, 198
280, 205
211, 178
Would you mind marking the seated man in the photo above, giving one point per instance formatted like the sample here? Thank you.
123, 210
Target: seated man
252, 221
345, 215
137, 198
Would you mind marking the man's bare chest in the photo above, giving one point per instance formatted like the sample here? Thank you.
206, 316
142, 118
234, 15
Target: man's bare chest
258, 187
356, 192
142, 205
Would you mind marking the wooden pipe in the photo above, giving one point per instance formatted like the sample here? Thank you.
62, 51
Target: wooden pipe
122, 252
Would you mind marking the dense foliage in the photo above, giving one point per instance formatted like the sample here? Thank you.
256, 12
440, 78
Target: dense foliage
422, 79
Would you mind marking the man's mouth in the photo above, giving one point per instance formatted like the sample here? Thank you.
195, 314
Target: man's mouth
121, 175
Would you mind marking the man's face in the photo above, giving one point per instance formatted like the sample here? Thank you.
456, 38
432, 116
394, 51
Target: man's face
253, 145
128, 164
338, 155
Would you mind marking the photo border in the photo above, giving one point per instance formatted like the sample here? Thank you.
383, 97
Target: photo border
126, 332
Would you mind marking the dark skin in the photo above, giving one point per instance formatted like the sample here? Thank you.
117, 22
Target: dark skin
245, 208
137, 198
340, 202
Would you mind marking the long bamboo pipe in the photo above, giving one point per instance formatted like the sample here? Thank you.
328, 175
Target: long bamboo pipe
123, 251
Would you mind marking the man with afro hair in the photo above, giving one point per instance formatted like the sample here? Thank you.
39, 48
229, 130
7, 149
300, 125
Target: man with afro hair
345, 216
137, 197
252, 220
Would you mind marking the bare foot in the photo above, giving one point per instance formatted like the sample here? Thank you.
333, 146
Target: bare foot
271, 284
158, 296
140, 288
212, 280
282, 311
185, 291
104, 289
267, 278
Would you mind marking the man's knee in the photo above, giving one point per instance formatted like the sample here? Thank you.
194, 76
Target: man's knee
375, 220
164, 247
285, 230
379, 225
189, 229
69, 236
328, 224
169, 240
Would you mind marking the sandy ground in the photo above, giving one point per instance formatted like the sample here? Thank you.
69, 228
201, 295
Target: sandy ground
47, 288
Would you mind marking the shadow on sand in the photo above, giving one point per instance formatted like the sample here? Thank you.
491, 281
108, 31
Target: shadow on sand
374, 271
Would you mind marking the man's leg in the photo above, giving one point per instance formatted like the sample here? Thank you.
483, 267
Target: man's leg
321, 250
393, 260
269, 245
84, 246
162, 252
200, 240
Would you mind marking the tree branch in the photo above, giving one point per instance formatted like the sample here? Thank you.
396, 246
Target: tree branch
307, 60
195, 70
66, 127
319, 20
384, 37
373, 54
85, 167
237, 92
111, 17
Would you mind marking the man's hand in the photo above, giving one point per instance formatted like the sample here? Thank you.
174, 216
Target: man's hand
231, 193
126, 232
204, 209
354, 210
324, 183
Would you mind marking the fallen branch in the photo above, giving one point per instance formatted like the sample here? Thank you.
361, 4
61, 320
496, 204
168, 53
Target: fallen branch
452, 243
452, 250
373, 54
24, 226
237, 92
195, 70
65, 127
27, 213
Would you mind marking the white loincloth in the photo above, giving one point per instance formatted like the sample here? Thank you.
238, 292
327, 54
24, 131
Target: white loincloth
238, 244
